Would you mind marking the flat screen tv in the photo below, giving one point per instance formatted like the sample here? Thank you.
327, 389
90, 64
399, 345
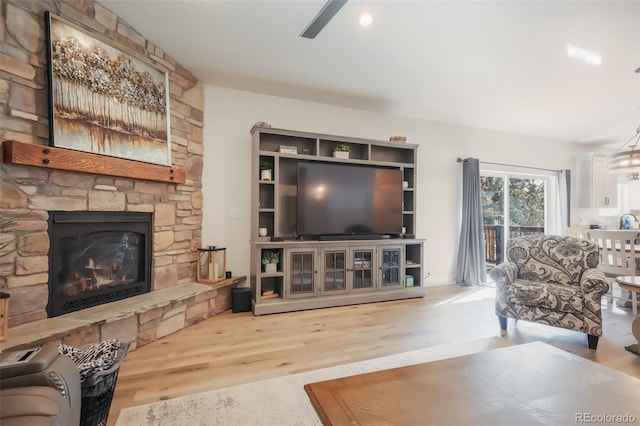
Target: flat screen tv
345, 199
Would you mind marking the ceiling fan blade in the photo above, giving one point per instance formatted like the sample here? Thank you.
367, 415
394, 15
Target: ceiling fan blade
323, 17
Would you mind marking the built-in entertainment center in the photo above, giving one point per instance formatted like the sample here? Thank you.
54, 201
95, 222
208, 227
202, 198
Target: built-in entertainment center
340, 228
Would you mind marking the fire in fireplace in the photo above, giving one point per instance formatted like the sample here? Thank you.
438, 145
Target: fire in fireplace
96, 258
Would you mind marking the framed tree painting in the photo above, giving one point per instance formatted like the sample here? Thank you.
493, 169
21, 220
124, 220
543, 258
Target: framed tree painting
104, 100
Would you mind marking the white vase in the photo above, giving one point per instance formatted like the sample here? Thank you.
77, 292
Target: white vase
341, 154
265, 175
271, 268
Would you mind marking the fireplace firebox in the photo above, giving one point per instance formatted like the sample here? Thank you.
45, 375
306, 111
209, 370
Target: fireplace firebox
96, 258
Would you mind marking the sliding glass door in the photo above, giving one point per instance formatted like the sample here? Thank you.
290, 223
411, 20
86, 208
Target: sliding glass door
512, 206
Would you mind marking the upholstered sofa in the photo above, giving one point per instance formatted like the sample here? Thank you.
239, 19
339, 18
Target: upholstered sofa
42, 391
552, 280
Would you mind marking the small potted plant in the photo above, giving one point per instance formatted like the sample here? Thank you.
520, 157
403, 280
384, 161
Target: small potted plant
341, 150
266, 169
270, 261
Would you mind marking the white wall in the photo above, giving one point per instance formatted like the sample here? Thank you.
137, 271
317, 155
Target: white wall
230, 114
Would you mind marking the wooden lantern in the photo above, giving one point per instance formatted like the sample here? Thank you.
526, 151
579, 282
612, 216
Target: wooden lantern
4, 316
212, 264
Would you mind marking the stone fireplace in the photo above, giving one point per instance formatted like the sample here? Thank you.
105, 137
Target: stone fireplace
96, 258
32, 195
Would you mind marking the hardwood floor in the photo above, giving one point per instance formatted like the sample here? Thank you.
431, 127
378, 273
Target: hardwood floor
232, 349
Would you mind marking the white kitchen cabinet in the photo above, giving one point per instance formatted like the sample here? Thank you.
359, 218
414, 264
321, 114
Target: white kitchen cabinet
634, 194
595, 186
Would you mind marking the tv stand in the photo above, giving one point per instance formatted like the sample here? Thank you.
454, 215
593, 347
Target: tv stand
327, 270
321, 274
348, 237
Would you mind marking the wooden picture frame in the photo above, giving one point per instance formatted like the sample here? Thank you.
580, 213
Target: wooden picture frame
105, 100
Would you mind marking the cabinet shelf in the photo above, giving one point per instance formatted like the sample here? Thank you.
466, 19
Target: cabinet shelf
298, 156
393, 154
330, 158
271, 300
276, 154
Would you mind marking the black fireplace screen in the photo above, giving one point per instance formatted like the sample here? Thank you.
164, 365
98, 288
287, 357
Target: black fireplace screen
96, 258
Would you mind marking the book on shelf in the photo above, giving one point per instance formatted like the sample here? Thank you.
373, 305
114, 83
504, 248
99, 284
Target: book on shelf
286, 149
269, 295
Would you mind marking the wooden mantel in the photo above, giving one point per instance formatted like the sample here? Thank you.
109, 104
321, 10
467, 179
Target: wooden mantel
28, 154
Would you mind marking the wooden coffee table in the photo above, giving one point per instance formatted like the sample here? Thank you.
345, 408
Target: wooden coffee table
632, 284
526, 384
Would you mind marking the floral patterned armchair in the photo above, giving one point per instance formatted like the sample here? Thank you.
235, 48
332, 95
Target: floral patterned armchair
552, 280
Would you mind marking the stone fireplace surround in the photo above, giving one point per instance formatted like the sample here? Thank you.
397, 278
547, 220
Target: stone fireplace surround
29, 193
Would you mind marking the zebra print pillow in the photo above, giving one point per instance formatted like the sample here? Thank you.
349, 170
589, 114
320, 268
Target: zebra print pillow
97, 357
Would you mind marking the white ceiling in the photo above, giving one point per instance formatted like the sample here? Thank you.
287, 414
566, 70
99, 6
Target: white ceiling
489, 64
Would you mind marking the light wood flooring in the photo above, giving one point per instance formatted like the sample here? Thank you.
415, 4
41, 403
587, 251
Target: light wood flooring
232, 349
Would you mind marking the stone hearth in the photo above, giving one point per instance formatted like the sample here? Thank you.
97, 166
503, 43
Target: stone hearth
139, 319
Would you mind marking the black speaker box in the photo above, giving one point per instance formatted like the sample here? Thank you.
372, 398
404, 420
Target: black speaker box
240, 299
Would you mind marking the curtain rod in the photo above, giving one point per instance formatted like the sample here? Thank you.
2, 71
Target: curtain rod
460, 160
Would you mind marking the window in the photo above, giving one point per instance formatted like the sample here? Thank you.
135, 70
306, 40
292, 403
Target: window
514, 205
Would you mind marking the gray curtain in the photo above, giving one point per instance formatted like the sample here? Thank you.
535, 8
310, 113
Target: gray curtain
564, 193
470, 267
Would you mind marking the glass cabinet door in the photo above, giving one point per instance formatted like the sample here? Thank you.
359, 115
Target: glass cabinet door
302, 273
362, 269
334, 271
390, 267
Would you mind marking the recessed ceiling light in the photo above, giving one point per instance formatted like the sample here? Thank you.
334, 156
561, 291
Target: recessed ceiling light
366, 19
585, 55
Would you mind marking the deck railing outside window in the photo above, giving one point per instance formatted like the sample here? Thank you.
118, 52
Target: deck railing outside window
494, 240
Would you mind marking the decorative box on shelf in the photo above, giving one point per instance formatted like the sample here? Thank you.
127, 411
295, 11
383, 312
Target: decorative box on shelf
212, 264
408, 281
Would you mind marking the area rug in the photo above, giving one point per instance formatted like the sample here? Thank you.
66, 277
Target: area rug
282, 400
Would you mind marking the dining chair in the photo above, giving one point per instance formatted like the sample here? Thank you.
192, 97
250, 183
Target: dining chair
619, 254
578, 232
